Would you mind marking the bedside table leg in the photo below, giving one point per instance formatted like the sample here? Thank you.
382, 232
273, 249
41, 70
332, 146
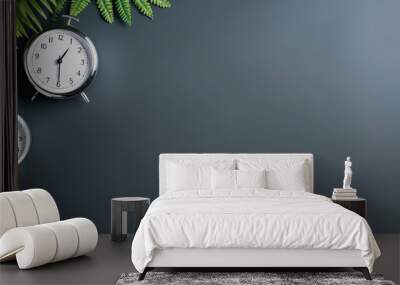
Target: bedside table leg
116, 222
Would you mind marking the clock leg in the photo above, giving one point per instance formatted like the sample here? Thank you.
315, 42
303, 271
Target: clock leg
34, 96
85, 97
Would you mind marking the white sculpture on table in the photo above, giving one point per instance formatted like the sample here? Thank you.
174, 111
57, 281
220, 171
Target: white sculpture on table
348, 173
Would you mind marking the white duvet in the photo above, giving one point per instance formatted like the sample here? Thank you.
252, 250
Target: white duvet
251, 218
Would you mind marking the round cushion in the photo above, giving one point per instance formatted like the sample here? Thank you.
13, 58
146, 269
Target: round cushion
45, 205
37, 245
67, 240
87, 233
33, 246
23, 208
7, 218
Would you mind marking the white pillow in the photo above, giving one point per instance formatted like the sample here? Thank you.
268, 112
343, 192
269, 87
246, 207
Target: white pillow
281, 174
251, 178
223, 179
189, 175
237, 179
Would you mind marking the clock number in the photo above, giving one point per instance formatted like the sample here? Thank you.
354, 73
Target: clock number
39, 70
70, 41
79, 73
47, 79
71, 81
82, 62
58, 84
79, 49
61, 37
43, 46
37, 55
51, 39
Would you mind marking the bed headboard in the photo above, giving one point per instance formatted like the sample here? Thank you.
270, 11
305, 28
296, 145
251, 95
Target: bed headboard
165, 157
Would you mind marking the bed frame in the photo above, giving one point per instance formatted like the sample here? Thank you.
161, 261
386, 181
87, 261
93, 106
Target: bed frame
245, 259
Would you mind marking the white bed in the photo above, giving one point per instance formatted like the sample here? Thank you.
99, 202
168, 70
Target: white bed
250, 227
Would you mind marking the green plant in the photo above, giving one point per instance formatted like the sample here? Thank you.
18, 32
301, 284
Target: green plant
31, 13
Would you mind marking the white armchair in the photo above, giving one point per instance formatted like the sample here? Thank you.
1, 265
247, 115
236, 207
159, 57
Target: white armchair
31, 230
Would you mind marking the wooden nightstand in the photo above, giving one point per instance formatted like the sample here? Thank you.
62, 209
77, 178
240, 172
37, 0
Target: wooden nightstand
358, 206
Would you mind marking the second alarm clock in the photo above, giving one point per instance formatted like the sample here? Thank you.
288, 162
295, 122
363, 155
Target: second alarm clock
24, 139
61, 62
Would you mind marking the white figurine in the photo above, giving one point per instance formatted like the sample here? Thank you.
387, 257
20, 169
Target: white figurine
348, 173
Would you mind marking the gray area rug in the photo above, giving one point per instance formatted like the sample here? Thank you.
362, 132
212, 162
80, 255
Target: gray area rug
269, 278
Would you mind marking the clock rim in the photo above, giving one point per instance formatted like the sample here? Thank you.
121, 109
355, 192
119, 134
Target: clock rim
92, 69
28, 136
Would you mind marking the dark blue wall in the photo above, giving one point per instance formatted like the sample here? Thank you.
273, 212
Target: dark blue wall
228, 76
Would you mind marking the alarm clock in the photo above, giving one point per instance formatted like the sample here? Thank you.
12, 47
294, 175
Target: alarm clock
61, 62
24, 139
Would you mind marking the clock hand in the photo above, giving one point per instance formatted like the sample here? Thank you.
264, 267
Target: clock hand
60, 57
59, 61
59, 70
63, 55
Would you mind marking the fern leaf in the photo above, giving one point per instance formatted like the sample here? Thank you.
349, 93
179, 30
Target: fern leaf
25, 21
161, 3
18, 33
144, 7
27, 16
53, 2
124, 11
21, 32
32, 16
46, 4
106, 10
59, 7
38, 9
29, 13
77, 6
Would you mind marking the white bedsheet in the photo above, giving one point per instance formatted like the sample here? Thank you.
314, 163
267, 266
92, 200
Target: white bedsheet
251, 218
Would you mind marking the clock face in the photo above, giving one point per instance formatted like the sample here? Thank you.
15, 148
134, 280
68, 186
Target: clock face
24, 139
60, 61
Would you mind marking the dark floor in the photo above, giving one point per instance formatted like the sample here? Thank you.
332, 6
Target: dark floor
110, 260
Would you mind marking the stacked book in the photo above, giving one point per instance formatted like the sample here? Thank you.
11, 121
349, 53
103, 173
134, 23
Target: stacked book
344, 194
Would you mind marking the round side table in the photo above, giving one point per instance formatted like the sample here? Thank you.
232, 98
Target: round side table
119, 214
